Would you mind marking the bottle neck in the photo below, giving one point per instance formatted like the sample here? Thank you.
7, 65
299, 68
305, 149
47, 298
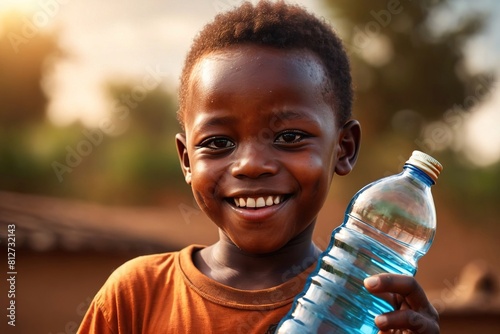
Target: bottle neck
418, 174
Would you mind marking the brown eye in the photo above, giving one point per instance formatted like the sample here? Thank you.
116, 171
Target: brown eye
220, 143
217, 143
290, 137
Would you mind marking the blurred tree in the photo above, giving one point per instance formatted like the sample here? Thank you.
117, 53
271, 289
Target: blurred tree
140, 166
25, 55
27, 140
129, 159
412, 90
401, 63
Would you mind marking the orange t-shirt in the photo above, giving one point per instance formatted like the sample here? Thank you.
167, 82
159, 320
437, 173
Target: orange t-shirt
166, 293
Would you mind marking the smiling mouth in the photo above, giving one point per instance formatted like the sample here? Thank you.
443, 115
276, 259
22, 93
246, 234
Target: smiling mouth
257, 202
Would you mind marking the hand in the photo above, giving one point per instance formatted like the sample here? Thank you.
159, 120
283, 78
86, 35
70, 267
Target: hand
413, 311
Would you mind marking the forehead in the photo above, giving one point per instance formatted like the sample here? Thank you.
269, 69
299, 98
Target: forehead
255, 76
246, 62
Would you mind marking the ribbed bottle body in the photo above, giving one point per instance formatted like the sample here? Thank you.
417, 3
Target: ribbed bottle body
388, 226
335, 300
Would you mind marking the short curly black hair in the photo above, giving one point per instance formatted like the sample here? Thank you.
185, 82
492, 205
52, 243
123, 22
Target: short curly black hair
279, 25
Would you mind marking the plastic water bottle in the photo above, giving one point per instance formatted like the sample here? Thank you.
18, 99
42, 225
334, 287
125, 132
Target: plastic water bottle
388, 226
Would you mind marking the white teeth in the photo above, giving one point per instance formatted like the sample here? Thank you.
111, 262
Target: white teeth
260, 202
250, 203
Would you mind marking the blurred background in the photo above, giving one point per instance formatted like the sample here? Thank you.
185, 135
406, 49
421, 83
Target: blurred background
89, 173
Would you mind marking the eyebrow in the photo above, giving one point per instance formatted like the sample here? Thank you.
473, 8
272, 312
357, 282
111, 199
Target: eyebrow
277, 116
288, 114
209, 122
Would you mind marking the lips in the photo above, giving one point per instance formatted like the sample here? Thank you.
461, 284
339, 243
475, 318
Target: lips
257, 202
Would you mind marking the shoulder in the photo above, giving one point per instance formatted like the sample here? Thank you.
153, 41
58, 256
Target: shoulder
147, 272
134, 278
132, 292
132, 284
144, 267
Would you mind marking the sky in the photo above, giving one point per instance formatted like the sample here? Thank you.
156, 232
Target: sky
144, 40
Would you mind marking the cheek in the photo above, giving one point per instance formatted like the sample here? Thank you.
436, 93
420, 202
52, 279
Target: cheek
206, 180
203, 173
316, 171
315, 177
202, 182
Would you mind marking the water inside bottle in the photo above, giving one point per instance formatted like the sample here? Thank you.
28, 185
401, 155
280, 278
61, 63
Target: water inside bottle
388, 226
335, 299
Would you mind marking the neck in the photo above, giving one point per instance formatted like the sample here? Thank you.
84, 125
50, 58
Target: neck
229, 265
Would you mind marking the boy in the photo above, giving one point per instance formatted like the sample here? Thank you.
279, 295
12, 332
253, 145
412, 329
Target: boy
265, 103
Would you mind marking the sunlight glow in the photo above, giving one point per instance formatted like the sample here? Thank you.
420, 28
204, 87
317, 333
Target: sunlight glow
482, 133
68, 102
25, 6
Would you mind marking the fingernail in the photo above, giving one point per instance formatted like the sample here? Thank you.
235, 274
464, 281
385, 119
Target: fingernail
381, 320
371, 282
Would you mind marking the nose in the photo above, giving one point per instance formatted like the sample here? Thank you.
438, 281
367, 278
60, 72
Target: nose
254, 160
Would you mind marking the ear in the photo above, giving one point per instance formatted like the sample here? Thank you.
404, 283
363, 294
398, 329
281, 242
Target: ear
349, 141
180, 141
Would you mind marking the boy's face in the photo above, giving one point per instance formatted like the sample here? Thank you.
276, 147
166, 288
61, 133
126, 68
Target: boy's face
261, 145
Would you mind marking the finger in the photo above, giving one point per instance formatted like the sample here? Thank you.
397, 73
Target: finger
404, 285
407, 320
386, 296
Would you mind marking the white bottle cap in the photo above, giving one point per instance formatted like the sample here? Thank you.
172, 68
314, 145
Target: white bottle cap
426, 163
